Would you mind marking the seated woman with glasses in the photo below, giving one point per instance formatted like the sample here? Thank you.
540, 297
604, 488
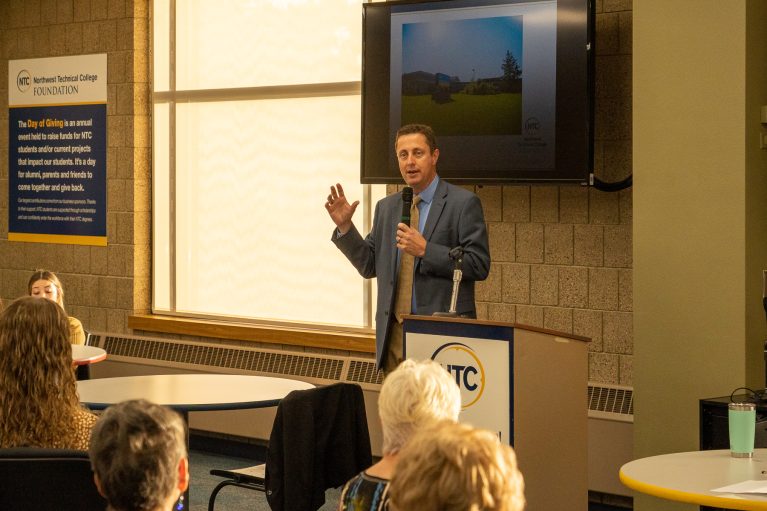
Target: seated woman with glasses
39, 406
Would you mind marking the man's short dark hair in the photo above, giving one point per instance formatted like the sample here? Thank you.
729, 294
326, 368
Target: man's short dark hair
423, 129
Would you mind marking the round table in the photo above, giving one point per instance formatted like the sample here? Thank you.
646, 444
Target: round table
84, 355
690, 477
190, 392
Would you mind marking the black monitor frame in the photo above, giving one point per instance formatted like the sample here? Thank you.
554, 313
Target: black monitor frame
480, 158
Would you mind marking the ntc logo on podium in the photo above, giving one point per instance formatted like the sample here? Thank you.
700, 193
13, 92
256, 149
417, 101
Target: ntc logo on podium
467, 369
23, 80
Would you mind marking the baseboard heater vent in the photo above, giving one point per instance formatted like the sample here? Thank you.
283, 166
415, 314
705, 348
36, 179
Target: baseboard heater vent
614, 402
363, 371
611, 437
211, 357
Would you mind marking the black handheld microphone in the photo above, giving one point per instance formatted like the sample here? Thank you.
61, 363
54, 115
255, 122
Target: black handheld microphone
407, 202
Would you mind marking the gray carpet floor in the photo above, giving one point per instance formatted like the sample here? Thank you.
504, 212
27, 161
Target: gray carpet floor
231, 498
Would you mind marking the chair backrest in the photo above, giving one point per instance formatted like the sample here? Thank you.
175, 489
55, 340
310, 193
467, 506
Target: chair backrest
83, 372
319, 440
33, 478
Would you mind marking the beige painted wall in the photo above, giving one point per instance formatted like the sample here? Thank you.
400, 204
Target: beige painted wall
699, 214
756, 179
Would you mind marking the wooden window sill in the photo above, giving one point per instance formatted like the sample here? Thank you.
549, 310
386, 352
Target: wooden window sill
274, 334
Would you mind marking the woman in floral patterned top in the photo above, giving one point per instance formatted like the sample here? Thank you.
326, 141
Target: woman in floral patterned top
413, 396
39, 406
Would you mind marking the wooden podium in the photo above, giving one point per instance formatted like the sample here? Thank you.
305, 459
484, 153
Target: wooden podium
529, 385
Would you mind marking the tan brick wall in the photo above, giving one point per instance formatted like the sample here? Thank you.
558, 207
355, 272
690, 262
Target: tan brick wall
103, 284
562, 255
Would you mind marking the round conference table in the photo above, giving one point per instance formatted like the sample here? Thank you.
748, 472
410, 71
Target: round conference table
190, 393
690, 477
84, 355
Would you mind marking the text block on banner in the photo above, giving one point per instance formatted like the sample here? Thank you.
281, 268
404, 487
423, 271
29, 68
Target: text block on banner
480, 358
57, 130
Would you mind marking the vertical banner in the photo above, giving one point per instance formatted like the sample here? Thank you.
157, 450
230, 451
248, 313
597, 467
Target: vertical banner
57, 150
479, 357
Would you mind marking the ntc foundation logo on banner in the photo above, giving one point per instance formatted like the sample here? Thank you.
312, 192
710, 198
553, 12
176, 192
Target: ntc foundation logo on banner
23, 80
466, 367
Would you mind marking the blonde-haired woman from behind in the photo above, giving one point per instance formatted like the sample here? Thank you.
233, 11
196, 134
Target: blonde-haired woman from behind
413, 396
455, 467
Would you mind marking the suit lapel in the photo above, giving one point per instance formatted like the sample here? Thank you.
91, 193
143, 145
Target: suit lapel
436, 209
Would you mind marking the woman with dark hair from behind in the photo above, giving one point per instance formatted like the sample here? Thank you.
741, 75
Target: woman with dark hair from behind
139, 458
45, 284
39, 406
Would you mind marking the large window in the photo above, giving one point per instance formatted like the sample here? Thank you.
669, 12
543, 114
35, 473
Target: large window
256, 113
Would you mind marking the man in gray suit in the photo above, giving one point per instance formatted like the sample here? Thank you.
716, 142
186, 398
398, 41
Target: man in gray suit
449, 217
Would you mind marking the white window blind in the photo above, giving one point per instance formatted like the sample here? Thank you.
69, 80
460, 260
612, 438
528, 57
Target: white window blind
255, 118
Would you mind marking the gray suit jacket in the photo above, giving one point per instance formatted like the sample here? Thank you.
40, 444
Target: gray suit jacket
455, 219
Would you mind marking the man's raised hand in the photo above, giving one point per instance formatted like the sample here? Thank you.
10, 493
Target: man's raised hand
339, 209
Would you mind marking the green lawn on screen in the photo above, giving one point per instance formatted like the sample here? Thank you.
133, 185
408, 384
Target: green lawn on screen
498, 114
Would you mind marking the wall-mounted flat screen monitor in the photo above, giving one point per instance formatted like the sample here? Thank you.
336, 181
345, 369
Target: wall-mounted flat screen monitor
507, 86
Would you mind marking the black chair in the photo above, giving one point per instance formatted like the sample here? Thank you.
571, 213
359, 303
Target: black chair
319, 440
83, 372
32, 479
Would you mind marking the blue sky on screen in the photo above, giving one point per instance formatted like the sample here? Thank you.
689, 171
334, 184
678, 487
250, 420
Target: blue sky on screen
464, 48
